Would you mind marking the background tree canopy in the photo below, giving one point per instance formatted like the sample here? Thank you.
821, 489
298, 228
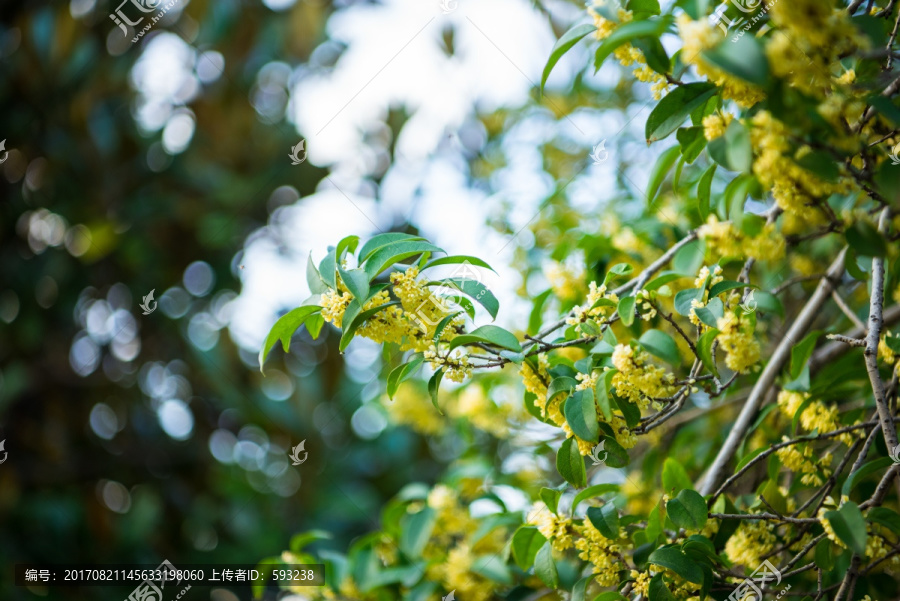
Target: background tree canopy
563, 303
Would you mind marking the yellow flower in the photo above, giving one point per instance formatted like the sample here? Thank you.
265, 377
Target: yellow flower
714, 125
638, 380
736, 339
557, 529
567, 282
601, 552
803, 462
750, 542
723, 239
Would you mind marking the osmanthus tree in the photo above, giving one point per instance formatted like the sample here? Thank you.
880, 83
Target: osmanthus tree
728, 356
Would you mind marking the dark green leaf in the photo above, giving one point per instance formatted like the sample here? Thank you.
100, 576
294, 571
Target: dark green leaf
704, 349
402, 373
395, 252
688, 510
674, 477
477, 291
353, 320
550, 497
661, 345
570, 464
544, 566
674, 558
675, 107
886, 517
626, 310
356, 281
434, 385
626, 33
463, 260
849, 526
658, 591
381, 240
581, 414
744, 59
801, 352
869, 468
654, 53
593, 491
660, 170
525, 544
692, 142
703, 191
824, 558
416, 530
866, 240
727, 285
606, 520
684, 300
494, 335
284, 329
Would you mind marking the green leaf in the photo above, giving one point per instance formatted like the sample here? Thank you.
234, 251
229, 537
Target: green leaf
660, 170
526, 542
711, 313
394, 252
674, 558
488, 566
494, 335
617, 271
349, 328
284, 329
300, 540
692, 142
593, 491
581, 414
654, 53
477, 291
821, 165
313, 279
661, 345
674, 477
626, 310
442, 325
727, 285
327, 270
381, 240
626, 33
604, 396
458, 260
434, 384
684, 300
865, 239
643, 7
314, 325
616, 455
658, 591
662, 279
864, 470
703, 191
801, 352
537, 311
674, 108
654, 524
824, 558
738, 150
704, 349
570, 464
886, 517
348, 243
357, 282
606, 520
688, 510
402, 373
544, 567
550, 497
416, 530
563, 45
849, 526
562, 385
744, 59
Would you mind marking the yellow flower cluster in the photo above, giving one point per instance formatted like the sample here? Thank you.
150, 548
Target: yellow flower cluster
582, 313
638, 380
737, 340
794, 188
627, 54
886, 354
714, 125
600, 552
411, 407
412, 326
641, 584
811, 37
645, 308
474, 406
699, 36
455, 363
567, 282
804, 463
558, 529
750, 542
725, 240
536, 380
815, 415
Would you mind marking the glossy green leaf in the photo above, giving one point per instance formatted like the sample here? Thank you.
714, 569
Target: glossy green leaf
660, 169
284, 329
688, 510
801, 352
550, 497
402, 373
349, 329
581, 414
660, 344
477, 291
849, 526
674, 558
704, 187
865, 470
626, 310
526, 542
395, 252
570, 463
434, 385
674, 477
675, 107
865, 239
606, 520
381, 240
593, 491
704, 350
356, 281
493, 335
625, 33
313, 279
563, 45
744, 59
545, 567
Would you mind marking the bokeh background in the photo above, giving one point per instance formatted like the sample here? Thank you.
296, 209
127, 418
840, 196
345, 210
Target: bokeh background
163, 165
